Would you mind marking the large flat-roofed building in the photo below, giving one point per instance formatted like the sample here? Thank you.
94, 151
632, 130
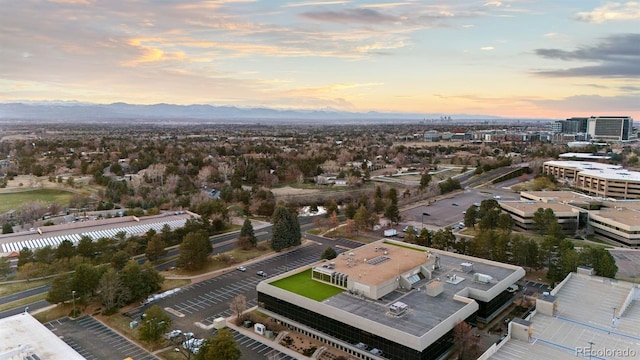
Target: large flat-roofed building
94, 229
522, 213
612, 128
401, 299
618, 225
585, 316
596, 179
615, 221
24, 337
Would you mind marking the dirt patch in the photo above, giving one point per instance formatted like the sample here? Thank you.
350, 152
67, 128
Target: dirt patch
288, 190
536, 275
307, 346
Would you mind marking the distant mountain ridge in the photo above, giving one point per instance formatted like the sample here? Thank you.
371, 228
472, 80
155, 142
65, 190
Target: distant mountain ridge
71, 111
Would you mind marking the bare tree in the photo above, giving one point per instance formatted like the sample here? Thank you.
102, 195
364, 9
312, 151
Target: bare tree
469, 343
111, 290
238, 305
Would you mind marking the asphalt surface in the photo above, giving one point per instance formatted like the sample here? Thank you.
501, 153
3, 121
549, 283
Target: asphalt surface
31, 307
95, 341
24, 294
205, 301
444, 213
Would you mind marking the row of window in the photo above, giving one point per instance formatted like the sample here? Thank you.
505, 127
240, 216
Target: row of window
350, 334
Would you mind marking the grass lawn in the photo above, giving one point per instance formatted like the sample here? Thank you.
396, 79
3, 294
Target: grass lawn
404, 246
12, 288
303, 284
12, 201
22, 302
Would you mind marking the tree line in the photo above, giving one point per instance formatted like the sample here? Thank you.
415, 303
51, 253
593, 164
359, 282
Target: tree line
494, 240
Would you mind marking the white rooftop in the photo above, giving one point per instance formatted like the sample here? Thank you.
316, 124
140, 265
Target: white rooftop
584, 156
24, 337
606, 171
585, 313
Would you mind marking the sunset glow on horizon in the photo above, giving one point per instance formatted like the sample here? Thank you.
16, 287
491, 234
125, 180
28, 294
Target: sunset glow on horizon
510, 58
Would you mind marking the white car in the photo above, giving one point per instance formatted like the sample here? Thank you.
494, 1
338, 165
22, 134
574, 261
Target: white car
173, 334
513, 288
193, 345
241, 268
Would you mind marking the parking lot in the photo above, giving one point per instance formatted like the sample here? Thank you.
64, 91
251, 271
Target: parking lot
256, 347
207, 300
531, 287
628, 262
449, 211
91, 339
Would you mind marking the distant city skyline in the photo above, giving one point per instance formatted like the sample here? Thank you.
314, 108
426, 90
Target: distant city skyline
509, 58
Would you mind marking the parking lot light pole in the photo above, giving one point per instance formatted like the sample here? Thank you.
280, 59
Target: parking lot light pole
73, 299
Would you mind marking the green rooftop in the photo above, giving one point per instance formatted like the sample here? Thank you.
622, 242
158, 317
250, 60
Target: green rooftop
302, 284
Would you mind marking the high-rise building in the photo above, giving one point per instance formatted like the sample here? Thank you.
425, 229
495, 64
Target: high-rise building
575, 125
614, 128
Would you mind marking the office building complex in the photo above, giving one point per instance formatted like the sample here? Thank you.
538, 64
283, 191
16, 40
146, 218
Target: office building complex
390, 299
612, 128
614, 221
585, 317
597, 179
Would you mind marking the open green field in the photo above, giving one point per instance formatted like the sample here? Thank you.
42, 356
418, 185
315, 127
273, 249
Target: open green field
13, 201
303, 284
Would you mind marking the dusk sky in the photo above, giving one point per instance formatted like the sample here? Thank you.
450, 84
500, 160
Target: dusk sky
520, 58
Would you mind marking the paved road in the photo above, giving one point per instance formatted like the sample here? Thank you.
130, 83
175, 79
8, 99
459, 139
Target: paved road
24, 294
32, 307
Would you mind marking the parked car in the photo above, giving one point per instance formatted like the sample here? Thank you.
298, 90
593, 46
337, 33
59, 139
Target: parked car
262, 273
454, 204
173, 334
241, 268
513, 288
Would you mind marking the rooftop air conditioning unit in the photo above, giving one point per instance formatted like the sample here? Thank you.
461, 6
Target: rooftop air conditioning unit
482, 278
467, 267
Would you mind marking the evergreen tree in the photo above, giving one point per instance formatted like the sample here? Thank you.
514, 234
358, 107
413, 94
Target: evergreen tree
65, 250
425, 180
195, 250
285, 230
25, 256
247, 232
61, 288
471, 217
350, 210
329, 253
155, 248
392, 195
85, 247
392, 213
140, 281
7, 228
85, 279
543, 220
